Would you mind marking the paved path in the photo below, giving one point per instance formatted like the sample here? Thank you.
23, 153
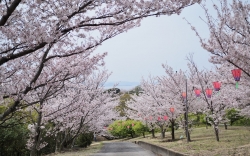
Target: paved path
122, 149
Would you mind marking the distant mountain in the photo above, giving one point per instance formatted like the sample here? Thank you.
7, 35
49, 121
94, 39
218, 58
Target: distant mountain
122, 85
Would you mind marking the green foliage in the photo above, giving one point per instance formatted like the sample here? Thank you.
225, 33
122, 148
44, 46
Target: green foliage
113, 90
126, 128
122, 104
137, 90
242, 122
13, 139
233, 115
85, 139
140, 128
50, 140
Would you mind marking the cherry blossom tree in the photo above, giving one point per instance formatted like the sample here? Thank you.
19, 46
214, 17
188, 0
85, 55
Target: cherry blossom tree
229, 34
222, 98
42, 41
229, 40
83, 106
158, 98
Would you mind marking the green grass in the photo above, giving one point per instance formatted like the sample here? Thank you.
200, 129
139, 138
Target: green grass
81, 151
234, 141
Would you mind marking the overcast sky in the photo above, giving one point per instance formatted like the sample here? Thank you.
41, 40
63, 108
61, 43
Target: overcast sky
166, 39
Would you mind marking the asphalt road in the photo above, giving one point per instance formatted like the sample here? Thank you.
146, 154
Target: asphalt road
123, 149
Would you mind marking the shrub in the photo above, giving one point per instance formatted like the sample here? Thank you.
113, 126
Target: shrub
85, 139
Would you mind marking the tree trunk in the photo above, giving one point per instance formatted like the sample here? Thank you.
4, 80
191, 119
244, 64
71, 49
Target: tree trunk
225, 124
189, 136
143, 133
153, 133
206, 123
58, 140
36, 142
162, 132
186, 128
216, 130
172, 128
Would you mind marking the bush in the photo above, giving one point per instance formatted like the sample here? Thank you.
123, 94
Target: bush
13, 140
126, 128
242, 122
85, 139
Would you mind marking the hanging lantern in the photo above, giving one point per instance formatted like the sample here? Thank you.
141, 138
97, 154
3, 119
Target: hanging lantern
236, 74
150, 118
133, 124
128, 127
184, 95
172, 110
216, 86
209, 92
159, 118
197, 92
165, 117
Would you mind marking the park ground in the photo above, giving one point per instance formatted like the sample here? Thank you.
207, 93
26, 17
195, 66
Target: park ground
233, 141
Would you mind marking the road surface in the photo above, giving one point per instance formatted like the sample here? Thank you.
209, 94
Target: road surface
122, 149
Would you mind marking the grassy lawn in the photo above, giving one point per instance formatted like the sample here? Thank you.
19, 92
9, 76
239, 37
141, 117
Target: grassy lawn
93, 148
233, 141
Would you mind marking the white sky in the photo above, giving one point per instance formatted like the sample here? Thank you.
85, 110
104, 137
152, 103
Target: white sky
141, 51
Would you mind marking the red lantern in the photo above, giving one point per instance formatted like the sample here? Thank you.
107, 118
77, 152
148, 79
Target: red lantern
165, 117
184, 94
133, 124
172, 110
159, 118
197, 92
216, 86
236, 74
150, 118
209, 92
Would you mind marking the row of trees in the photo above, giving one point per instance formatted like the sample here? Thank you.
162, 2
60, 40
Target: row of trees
48, 69
79, 109
50, 75
161, 103
229, 46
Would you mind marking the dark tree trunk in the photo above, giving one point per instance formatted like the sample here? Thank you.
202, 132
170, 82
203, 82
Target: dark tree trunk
172, 130
186, 128
206, 123
225, 124
143, 133
216, 130
153, 133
